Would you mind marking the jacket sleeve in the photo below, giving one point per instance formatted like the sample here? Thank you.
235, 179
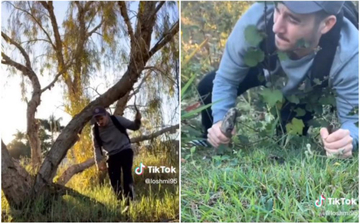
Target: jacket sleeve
346, 85
233, 69
132, 125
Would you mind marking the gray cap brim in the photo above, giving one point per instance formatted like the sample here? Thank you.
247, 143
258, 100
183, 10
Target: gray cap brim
302, 7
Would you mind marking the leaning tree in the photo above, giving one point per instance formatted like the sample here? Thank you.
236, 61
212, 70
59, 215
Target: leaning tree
70, 52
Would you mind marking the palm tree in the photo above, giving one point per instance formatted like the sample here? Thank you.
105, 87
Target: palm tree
54, 126
19, 136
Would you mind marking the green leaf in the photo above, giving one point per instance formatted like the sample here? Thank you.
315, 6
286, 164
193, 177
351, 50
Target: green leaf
300, 112
269, 204
282, 55
317, 81
192, 150
187, 85
301, 43
243, 139
295, 127
271, 96
253, 57
354, 111
328, 100
293, 99
253, 36
357, 124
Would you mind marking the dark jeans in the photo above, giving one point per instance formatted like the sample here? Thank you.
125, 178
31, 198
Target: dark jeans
250, 81
117, 162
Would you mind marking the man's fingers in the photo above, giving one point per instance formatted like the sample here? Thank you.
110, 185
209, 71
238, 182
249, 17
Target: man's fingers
324, 133
211, 141
347, 140
341, 151
337, 135
218, 137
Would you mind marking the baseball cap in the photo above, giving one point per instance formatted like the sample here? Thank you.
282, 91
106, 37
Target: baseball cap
307, 7
99, 111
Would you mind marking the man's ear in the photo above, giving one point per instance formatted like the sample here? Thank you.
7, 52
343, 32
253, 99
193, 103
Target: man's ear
327, 24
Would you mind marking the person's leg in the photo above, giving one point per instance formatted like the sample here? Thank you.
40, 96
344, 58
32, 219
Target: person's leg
114, 169
126, 161
205, 87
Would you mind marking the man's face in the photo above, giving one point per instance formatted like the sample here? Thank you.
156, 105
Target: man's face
289, 28
102, 120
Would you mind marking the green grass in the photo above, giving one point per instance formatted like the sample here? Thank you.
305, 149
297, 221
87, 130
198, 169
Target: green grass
152, 202
246, 185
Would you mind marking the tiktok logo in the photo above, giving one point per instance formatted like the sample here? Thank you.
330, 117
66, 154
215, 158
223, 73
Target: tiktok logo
319, 202
140, 169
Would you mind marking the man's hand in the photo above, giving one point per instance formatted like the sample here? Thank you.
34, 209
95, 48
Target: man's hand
338, 143
216, 137
102, 166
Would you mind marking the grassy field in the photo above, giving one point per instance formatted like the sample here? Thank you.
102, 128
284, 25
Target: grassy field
250, 185
152, 202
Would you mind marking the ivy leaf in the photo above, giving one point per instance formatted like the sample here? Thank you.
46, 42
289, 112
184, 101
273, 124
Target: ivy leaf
301, 43
317, 81
295, 127
271, 97
253, 36
300, 112
282, 55
354, 111
328, 100
293, 99
243, 139
253, 57
192, 149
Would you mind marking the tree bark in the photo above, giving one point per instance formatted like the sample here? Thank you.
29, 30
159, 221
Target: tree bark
32, 130
16, 182
78, 168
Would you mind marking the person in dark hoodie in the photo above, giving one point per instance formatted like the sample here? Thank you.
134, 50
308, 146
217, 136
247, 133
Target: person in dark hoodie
111, 140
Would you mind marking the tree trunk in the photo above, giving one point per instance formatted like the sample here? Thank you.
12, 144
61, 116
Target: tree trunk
16, 182
120, 105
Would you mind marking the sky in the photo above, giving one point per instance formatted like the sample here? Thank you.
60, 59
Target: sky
13, 112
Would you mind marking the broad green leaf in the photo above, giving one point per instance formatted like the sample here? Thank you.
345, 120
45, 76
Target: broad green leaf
300, 112
282, 55
243, 139
328, 100
269, 204
354, 111
295, 127
271, 97
301, 43
253, 57
293, 99
317, 81
253, 36
192, 150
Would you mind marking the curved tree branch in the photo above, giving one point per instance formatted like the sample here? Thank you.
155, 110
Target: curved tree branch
165, 38
20, 48
124, 14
